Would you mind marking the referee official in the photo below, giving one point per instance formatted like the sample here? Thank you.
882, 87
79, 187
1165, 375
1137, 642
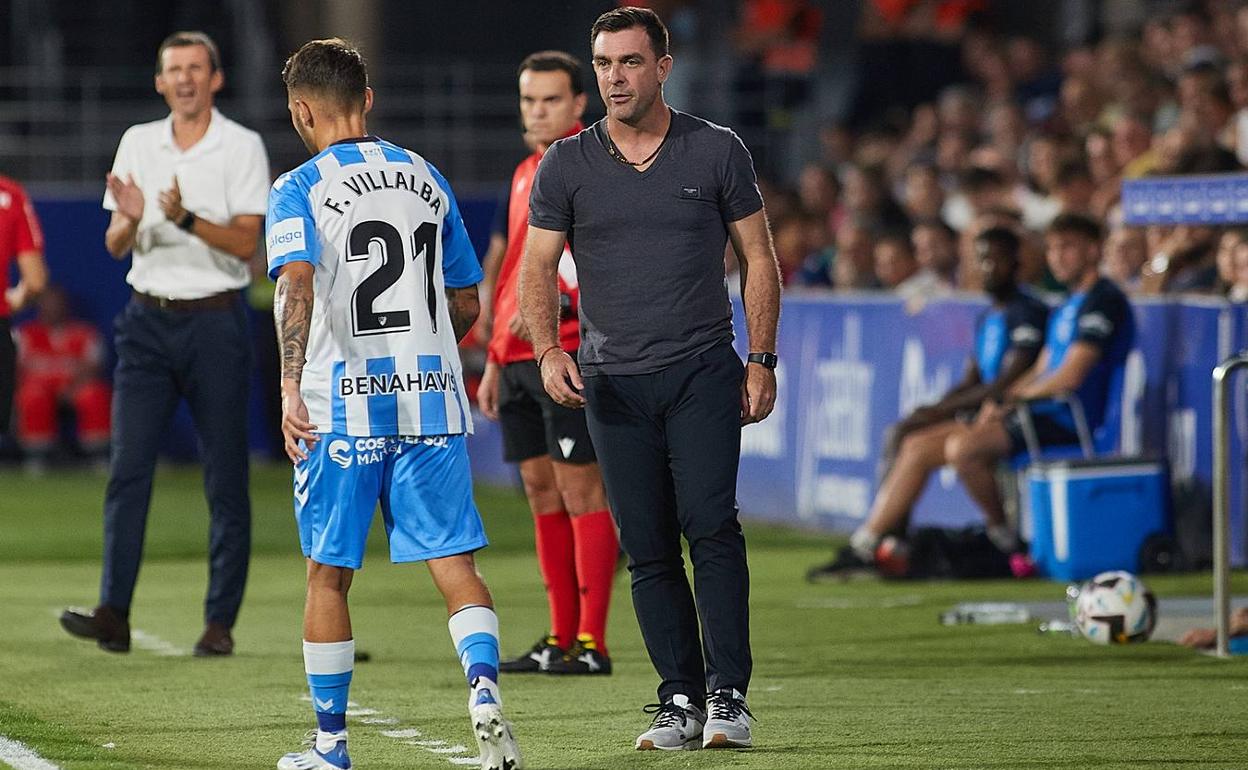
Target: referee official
648, 198
188, 195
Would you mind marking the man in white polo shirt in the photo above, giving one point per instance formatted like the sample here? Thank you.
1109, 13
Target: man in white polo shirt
187, 196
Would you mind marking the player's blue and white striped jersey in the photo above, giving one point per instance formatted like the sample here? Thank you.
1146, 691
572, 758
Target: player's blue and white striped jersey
384, 233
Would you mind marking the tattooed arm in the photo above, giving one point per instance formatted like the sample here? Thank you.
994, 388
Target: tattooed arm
465, 306
292, 313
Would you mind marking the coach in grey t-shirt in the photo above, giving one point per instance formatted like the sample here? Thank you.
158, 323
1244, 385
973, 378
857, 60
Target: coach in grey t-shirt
647, 199
649, 246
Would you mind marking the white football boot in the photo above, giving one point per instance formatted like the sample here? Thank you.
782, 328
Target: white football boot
333, 758
495, 740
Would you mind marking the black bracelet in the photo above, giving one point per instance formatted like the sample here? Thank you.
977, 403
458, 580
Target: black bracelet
553, 347
187, 222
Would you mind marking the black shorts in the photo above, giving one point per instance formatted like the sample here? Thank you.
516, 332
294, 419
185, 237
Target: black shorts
1049, 432
534, 425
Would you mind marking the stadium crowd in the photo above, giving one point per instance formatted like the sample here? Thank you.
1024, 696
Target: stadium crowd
1016, 134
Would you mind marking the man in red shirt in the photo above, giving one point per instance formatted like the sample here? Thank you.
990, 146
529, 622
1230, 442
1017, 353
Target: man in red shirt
59, 360
577, 546
20, 239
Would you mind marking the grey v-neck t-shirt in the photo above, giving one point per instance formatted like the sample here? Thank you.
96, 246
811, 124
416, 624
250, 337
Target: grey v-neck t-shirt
648, 246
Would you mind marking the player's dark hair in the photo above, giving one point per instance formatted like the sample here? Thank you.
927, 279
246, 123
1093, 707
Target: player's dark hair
186, 38
628, 17
1078, 224
556, 61
331, 67
1003, 237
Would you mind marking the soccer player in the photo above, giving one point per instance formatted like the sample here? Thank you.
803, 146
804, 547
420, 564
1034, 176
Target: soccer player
376, 284
649, 198
21, 240
1008, 338
1089, 336
576, 541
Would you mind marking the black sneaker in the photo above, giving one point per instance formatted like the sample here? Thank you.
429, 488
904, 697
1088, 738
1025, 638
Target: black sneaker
536, 660
583, 658
846, 566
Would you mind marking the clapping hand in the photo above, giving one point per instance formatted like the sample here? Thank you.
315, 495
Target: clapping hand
171, 202
127, 195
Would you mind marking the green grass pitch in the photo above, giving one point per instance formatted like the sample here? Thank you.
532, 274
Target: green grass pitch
847, 676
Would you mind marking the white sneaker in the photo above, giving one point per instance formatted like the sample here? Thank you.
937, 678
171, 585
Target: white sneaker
498, 746
677, 726
728, 721
334, 759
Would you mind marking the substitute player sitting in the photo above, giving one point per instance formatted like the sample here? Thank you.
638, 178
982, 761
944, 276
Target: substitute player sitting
376, 283
576, 542
1008, 339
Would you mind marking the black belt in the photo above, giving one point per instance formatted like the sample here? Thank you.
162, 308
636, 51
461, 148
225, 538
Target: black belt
222, 301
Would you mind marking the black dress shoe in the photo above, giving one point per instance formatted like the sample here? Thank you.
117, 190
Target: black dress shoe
216, 641
103, 624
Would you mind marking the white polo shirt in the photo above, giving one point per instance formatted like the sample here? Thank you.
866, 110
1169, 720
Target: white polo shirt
223, 175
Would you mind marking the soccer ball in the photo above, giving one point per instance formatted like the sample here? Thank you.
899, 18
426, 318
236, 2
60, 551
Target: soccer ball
1114, 608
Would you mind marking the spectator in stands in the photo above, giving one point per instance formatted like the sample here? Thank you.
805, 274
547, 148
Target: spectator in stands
1126, 250
854, 265
981, 189
1073, 190
1182, 261
936, 252
816, 268
21, 242
867, 200
922, 196
1237, 290
1008, 339
894, 261
59, 363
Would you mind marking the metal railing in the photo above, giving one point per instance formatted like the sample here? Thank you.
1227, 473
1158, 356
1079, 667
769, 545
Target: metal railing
1221, 499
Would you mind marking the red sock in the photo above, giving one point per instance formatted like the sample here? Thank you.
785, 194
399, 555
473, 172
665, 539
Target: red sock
557, 560
597, 549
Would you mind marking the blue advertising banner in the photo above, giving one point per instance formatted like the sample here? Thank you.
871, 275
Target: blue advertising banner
1198, 200
850, 366
853, 365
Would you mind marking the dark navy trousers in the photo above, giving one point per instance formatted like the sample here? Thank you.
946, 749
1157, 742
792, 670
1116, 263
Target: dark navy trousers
669, 443
203, 356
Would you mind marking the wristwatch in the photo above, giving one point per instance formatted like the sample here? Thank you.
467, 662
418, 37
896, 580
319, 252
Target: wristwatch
187, 222
767, 360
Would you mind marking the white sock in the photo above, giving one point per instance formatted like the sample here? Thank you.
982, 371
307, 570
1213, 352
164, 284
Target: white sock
474, 630
864, 542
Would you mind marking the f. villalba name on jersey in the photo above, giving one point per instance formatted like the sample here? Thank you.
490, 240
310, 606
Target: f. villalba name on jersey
375, 180
409, 382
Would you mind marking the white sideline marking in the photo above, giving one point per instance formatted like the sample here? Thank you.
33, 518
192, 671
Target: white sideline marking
405, 734
833, 603
154, 644
149, 642
19, 756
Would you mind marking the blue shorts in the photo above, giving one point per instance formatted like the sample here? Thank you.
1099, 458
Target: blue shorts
422, 482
